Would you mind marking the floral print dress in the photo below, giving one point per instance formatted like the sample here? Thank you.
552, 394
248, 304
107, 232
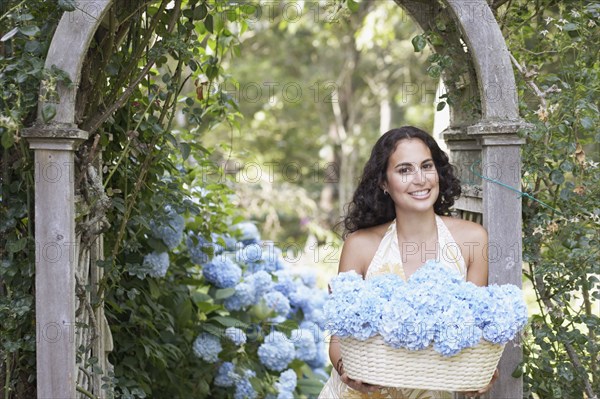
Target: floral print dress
387, 259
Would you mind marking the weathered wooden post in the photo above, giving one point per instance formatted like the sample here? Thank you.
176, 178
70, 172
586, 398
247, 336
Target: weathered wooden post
500, 161
54, 143
56, 256
486, 142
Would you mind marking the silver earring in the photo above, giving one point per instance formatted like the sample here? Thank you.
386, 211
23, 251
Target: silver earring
385, 192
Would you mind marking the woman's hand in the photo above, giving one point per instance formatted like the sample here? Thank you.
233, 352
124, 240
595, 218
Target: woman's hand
354, 384
359, 385
472, 394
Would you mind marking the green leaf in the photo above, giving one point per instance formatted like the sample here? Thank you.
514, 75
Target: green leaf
419, 43
557, 177
212, 72
29, 30
567, 166
16, 246
48, 112
434, 71
587, 122
184, 312
353, 5
185, 150
67, 5
570, 27
214, 330
249, 9
229, 322
224, 293
208, 23
7, 139
200, 12
441, 105
440, 24
155, 290
518, 371
219, 23
206, 307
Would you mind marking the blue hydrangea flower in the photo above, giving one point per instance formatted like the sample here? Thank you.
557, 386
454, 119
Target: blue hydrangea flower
236, 335
508, 314
243, 387
156, 264
276, 352
300, 295
169, 228
309, 278
250, 255
404, 326
276, 301
262, 283
304, 342
434, 307
207, 347
200, 252
322, 357
434, 271
271, 259
286, 384
456, 329
226, 376
285, 282
350, 310
222, 272
248, 232
386, 284
312, 302
230, 242
243, 297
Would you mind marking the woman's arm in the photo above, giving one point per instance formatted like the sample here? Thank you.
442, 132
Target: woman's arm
476, 239
356, 255
350, 259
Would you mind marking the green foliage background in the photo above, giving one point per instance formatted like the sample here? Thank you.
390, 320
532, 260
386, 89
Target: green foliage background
151, 159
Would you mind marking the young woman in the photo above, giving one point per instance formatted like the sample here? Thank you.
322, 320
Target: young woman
395, 223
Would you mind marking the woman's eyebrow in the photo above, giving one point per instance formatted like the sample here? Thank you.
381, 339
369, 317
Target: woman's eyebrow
412, 163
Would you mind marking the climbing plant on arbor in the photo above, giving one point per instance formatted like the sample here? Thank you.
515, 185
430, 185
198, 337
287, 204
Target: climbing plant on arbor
142, 180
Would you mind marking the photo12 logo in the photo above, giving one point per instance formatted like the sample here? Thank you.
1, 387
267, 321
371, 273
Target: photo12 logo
271, 172
274, 92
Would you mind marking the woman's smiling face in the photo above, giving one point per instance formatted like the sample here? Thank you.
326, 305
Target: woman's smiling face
412, 179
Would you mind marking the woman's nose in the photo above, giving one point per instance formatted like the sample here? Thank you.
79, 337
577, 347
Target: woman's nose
419, 176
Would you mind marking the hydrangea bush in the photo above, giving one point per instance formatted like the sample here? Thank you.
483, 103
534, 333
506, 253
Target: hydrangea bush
244, 323
434, 307
263, 334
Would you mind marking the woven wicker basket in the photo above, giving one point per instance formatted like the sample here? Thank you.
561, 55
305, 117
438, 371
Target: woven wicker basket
374, 362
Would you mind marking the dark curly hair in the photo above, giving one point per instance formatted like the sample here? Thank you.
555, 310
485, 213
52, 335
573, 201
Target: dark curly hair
371, 207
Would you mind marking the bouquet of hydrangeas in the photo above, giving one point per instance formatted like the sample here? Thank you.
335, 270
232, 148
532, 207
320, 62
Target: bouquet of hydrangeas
435, 311
434, 306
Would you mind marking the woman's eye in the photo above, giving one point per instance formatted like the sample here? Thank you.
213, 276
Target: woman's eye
404, 170
428, 166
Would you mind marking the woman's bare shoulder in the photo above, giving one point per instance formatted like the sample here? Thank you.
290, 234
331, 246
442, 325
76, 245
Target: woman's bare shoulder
360, 247
465, 231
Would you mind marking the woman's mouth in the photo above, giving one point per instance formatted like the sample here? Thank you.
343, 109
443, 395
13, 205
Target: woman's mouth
420, 194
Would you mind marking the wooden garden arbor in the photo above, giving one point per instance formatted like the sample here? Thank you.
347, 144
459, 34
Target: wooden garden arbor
481, 138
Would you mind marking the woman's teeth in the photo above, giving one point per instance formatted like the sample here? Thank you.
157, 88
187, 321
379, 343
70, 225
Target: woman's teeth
419, 193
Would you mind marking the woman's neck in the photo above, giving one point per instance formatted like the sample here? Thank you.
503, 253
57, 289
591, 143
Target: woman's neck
416, 226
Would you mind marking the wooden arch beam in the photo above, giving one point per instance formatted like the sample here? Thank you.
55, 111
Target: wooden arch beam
68, 50
496, 80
